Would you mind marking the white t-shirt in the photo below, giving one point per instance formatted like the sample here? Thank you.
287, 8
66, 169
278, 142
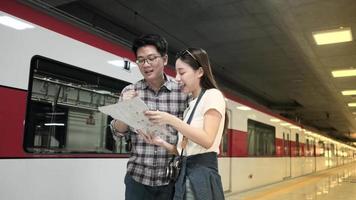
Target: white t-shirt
212, 99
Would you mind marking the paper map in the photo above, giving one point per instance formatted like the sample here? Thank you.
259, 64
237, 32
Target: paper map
131, 112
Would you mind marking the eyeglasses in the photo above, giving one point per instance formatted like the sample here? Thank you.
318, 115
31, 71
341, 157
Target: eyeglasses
150, 59
184, 52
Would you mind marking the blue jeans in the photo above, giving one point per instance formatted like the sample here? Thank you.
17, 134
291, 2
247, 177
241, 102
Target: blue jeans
138, 191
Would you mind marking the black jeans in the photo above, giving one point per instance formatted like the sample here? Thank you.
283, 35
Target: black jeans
138, 191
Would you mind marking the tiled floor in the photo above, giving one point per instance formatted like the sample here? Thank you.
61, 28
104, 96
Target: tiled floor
333, 184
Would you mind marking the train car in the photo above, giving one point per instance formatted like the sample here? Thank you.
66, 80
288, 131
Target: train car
55, 144
263, 148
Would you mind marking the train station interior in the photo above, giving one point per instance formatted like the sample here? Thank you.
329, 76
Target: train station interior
286, 68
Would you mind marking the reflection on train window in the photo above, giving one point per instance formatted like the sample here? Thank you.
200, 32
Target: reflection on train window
261, 139
62, 110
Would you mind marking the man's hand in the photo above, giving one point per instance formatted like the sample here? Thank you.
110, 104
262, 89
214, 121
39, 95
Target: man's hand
129, 94
151, 139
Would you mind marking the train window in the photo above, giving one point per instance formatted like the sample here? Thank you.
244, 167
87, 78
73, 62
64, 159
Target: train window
284, 143
332, 150
62, 110
297, 145
314, 147
321, 145
261, 139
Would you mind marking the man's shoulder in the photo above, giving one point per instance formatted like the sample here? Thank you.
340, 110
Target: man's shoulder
134, 86
172, 82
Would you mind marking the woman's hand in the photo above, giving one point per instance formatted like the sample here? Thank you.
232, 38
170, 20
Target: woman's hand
158, 117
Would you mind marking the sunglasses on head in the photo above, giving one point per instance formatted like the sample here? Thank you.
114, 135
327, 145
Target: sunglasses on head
187, 52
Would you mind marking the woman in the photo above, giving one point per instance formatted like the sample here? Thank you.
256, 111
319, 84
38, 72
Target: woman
201, 138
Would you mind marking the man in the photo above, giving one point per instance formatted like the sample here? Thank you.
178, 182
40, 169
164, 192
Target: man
146, 168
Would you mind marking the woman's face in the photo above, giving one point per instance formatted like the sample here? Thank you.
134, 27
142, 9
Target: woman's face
187, 77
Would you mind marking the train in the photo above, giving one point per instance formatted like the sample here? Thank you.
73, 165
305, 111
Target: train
55, 144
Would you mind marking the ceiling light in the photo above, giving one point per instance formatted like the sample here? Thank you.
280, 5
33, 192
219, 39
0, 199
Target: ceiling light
351, 104
14, 23
275, 120
343, 73
349, 92
333, 36
243, 108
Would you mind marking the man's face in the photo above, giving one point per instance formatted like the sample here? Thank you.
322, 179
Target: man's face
150, 62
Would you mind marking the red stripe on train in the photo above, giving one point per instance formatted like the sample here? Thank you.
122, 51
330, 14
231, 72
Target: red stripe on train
12, 109
238, 143
238, 146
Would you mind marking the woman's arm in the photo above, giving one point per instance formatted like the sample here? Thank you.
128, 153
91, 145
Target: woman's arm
204, 137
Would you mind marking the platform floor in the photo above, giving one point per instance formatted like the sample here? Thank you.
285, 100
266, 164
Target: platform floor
333, 184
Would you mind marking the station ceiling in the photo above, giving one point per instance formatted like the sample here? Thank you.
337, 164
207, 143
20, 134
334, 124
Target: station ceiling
262, 50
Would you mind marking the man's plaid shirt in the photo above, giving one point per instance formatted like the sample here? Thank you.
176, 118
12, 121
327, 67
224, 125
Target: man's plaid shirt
147, 163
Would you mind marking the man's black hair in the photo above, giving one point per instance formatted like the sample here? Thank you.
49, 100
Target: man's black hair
156, 40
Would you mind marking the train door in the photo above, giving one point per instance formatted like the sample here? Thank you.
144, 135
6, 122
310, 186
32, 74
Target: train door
287, 154
225, 159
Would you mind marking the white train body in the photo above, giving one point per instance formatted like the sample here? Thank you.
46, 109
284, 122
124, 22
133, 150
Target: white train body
35, 166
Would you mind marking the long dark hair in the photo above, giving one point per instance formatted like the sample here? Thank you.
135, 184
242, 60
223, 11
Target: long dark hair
196, 58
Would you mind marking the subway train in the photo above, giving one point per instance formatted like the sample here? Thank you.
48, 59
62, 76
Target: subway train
55, 144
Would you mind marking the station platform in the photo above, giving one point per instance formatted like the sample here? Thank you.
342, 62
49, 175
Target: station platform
332, 184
